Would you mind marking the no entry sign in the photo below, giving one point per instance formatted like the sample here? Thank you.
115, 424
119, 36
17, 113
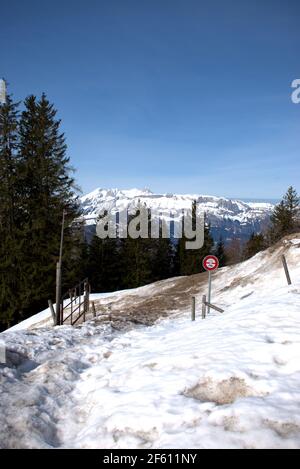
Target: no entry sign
210, 263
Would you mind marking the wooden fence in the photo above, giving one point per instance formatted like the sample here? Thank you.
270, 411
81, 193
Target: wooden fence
205, 305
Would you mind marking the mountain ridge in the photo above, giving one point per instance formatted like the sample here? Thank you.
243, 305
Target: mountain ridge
229, 218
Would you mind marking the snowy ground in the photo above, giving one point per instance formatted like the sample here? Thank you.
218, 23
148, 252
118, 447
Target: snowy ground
230, 381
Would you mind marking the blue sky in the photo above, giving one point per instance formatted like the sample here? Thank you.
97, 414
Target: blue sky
174, 95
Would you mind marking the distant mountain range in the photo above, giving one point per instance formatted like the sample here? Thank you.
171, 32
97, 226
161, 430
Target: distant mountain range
228, 218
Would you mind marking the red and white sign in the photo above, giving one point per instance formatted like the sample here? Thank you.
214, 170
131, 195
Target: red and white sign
210, 263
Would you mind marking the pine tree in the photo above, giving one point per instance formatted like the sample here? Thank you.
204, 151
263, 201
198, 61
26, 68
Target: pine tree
10, 215
76, 247
220, 253
95, 264
255, 244
137, 257
47, 190
281, 222
291, 202
162, 258
285, 216
104, 264
137, 261
234, 251
190, 260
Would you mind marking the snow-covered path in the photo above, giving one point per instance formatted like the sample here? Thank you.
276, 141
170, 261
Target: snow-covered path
181, 385
230, 381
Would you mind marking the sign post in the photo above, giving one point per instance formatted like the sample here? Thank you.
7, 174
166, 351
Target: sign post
209, 291
210, 263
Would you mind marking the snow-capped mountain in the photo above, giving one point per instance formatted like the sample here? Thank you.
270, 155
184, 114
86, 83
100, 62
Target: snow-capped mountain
228, 218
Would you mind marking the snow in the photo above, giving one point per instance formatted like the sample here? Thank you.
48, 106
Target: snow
260, 205
44, 318
118, 200
295, 241
229, 381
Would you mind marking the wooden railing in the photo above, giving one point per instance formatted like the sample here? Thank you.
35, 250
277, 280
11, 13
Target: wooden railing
75, 304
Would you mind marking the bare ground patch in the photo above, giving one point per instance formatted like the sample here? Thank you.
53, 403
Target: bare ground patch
220, 392
283, 429
164, 299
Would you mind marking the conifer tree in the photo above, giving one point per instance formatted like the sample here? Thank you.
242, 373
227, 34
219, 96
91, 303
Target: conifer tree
47, 190
137, 257
10, 214
255, 244
285, 216
77, 248
220, 253
95, 264
234, 251
163, 257
291, 202
281, 222
103, 268
190, 260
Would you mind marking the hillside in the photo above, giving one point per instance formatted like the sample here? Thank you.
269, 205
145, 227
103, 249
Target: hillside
230, 381
227, 217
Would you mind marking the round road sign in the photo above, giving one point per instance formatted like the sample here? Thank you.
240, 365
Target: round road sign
210, 263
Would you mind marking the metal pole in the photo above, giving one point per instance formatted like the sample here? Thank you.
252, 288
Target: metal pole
58, 293
193, 308
203, 306
71, 296
209, 291
58, 273
62, 237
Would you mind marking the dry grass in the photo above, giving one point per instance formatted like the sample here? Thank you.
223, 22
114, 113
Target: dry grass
163, 299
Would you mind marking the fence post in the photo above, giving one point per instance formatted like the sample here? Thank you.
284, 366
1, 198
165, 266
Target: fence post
71, 298
58, 293
94, 309
52, 312
203, 306
86, 299
286, 270
61, 306
88, 291
75, 295
79, 304
193, 308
